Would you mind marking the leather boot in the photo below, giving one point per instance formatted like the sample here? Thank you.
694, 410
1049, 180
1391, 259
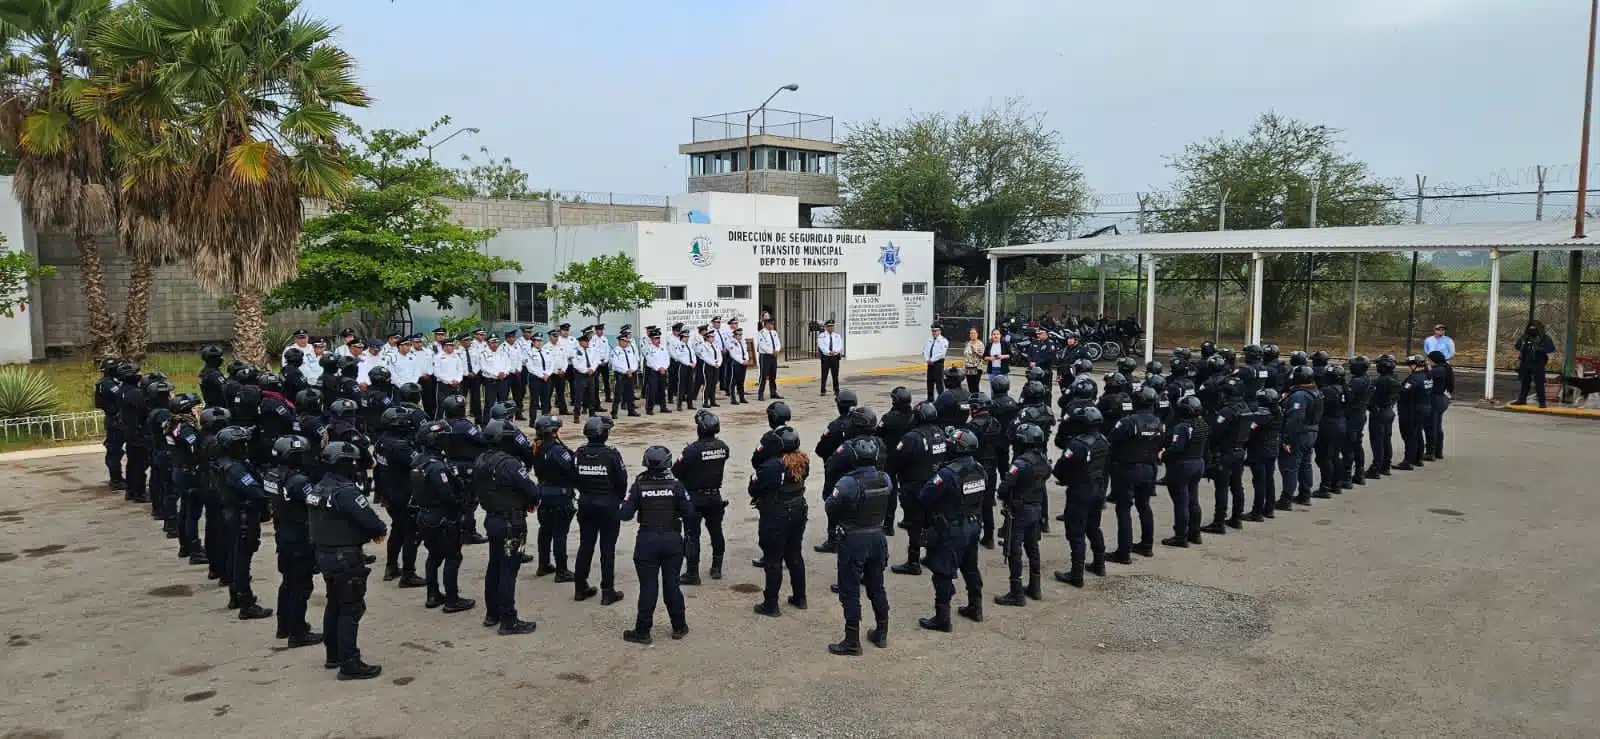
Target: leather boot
909, 568
1175, 541
1012, 598
391, 572
1215, 527
692, 578
411, 580
1097, 566
828, 547
972, 611
355, 669
1073, 577
1144, 550
1034, 592
545, 568
850, 646
940, 620
880, 635
254, 611
435, 599
458, 604
716, 567
610, 596
1121, 557
1235, 523
1285, 504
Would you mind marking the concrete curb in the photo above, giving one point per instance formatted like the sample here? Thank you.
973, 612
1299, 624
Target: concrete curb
1569, 412
892, 370
50, 451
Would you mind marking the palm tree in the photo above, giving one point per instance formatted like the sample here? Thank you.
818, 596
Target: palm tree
62, 178
255, 87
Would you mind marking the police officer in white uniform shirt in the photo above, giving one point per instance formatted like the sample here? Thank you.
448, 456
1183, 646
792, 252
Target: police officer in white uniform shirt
477, 345
657, 362
343, 349
403, 366
683, 358
366, 358
511, 358
536, 369
491, 376
933, 353
667, 342
449, 371
830, 346
625, 363
391, 346
560, 363
600, 346
725, 343
524, 346
430, 390
738, 358
311, 367
584, 397
302, 341
710, 360
767, 346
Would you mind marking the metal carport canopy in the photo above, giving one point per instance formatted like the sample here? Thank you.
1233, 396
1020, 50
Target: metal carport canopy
1495, 238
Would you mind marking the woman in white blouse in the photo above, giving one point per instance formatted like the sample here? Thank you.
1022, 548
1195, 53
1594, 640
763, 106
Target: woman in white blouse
998, 353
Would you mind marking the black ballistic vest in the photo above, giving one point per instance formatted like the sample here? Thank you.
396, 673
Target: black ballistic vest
594, 472
328, 528
658, 503
283, 486
873, 502
494, 496
422, 495
1031, 490
703, 465
1099, 455
974, 484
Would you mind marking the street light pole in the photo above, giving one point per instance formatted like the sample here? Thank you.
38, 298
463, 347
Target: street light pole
750, 116
457, 132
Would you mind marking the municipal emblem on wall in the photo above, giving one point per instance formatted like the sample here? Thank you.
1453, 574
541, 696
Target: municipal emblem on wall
700, 252
889, 257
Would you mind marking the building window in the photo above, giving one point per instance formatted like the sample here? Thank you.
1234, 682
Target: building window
913, 288
864, 288
672, 292
541, 306
522, 306
770, 159
733, 292
498, 306
697, 165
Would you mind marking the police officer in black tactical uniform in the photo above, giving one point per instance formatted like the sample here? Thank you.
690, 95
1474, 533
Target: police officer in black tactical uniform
1358, 396
391, 483
700, 468
1081, 394
777, 491
107, 402
274, 418
1185, 449
1230, 429
217, 547
1252, 374
1319, 364
602, 481
346, 383
661, 504
507, 495
913, 462
1415, 406
294, 380
436, 496
1179, 386
243, 495
182, 439
1439, 395
408, 397
832, 437
342, 520
328, 381
1040, 415
461, 449
778, 416
1380, 421
1302, 409
158, 396
1135, 446
1261, 453
1082, 469
991, 439
894, 424
859, 501
131, 414
557, 472
1277, 370
1331, 430
860, 421
1115, 401
286, 484
1021, 492
954, 502
954, 402
377, 398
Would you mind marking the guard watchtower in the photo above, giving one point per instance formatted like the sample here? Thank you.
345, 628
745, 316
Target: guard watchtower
769, 152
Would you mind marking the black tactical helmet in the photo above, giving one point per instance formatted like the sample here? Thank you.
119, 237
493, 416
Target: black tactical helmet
1146, 398
1028, 436
1083, 388
1319, 359
1153, 368
789, 438
343, 456
1116, 382
1181, 368
952, 374
1335, 374
1386, 364
899, 399
979, 402
777, 414
1267, 396
1127, 365
270, 381
236, 365
410, 392
845, 400
1156, 383
213, 420
501, 434
657, 459
342, 408
598, 428
211, 354
328, 363
128, 372
861, 452
1216, 363
158, 393
1086, 418
1297, 359
1003, 405
291, 450
453, 406
234, 441
1082, 366
379, 376
397, 419
348, 366
771, 445
183, 403
963, 443
1191, 407
1181, 353
998, 384
1252, 353
1359, 365
1228, 356
1417, 360
433, 435
706, 424
1231, 387
1207, 349
108, 365
925, 412
1036, 374
247, 375
860, 420
1302, 375
292, 357
308, 400
502, 410
1269, 352
1033, 392
545, 426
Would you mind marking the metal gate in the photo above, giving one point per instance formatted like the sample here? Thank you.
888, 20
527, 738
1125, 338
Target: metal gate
798, 299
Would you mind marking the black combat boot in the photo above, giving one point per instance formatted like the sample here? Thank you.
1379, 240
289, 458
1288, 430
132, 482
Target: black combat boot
851, 645
1012, 598
545, 568
690, 578
585, 591
1304, 500
827, 547
1321, 493
972, 611
411, 580
679, 630
1073, 577
517, 626
1235, 523
233, 602
1145, 549
1175, 541
1255, 517
1121, 557
253, 611
768, 609
797, 602
1098, 564
563, 575
716, 567
391, 572
1215, 527
1285, 503
458, 604
304, 639
1034, 592
610, 596
435, 599
355, 669
910, 568
197, 557
880, 636
940, 620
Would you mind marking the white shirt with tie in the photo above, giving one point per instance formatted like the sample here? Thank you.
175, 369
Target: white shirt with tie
725, 338
405, 367
424, 360
738, 351
583, 361
600, 350
537, 362
625, 359
767, 342
830, 343
681, 352
936, 349
656, 356
708, 353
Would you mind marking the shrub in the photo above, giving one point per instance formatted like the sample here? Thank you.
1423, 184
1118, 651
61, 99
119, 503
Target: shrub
24, 392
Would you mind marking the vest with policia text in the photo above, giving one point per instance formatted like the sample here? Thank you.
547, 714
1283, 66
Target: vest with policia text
658, 503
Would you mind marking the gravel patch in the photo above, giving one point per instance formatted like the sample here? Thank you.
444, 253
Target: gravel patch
1155, 613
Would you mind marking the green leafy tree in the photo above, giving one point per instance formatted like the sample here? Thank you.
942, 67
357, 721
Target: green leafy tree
1268, 175
18, 270
388, 242
993, 178
499, 179
604, 284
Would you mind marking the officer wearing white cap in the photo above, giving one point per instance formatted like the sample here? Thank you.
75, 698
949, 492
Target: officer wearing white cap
657, 370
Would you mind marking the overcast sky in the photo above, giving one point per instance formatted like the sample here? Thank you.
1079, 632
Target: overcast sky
597, 95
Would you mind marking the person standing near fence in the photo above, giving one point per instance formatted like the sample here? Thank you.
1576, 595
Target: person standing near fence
830, 346
1440, 393
767, 346
972, 360
1534, 348
1439, 342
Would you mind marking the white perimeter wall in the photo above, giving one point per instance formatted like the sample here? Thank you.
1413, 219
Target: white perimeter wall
16, 333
